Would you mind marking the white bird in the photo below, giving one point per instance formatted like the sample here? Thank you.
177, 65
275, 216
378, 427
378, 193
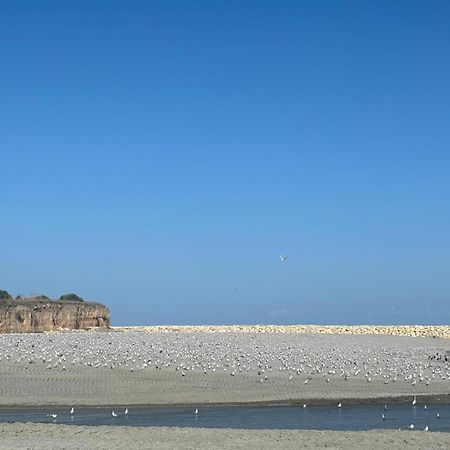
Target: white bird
438, 416
425, 407
283, 258
411, 427
382, 417
304, 406
414, 401
196, 411
52, 415
113, 413
339, 405
126, 411
426, 428
72, 411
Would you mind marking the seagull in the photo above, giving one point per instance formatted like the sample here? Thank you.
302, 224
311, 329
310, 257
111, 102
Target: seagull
414, 401
382, 417
339, 405
126, 411
411, 427
113, 413
196, 411
385, 407
438, 416
72, 411
426, 428
283, 258
52, 415
304, 406
425, 407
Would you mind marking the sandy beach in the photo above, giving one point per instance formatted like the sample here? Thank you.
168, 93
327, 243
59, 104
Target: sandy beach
151, 368
134, 367
48, 436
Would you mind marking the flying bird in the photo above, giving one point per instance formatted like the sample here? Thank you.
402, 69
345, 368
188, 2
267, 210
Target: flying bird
283, 258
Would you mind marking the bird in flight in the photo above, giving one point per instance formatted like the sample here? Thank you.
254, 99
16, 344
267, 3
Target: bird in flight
283, 258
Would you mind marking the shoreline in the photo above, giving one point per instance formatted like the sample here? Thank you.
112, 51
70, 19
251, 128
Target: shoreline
428, 399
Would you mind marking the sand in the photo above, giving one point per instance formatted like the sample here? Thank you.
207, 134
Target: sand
49, 436
142, 368
196, 368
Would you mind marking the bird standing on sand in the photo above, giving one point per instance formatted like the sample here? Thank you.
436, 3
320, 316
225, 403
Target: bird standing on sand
411, 427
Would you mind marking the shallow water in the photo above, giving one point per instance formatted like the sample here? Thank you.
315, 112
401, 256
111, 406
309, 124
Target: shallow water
351, 418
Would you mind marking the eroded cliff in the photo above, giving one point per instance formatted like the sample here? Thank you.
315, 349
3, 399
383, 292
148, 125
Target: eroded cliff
47, 315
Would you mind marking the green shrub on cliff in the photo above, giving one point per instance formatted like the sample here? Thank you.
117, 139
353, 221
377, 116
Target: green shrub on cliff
4, 295
71, 298
41, 297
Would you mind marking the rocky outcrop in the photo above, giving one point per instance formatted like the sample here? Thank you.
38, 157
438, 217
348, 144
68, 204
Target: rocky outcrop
28, 315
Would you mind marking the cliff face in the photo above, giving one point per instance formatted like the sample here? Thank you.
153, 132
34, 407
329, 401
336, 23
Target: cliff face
47, 315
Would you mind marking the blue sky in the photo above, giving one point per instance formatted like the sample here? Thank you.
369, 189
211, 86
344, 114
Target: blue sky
160, 156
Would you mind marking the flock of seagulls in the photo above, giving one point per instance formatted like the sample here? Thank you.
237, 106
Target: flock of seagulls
113, 413
297, 358
305, 361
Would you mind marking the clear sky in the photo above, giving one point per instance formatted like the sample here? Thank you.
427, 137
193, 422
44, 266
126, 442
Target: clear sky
160, 156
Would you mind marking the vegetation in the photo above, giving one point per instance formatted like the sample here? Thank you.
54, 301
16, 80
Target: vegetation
71, 297
32, 297
4, 295
40, 297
